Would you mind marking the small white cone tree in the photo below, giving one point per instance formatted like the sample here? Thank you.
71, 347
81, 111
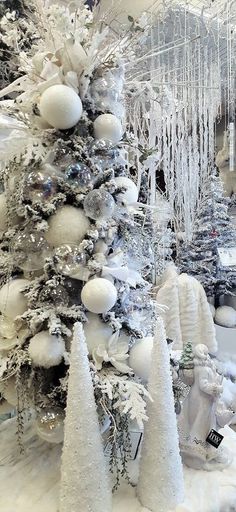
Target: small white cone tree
161, 485
84, 480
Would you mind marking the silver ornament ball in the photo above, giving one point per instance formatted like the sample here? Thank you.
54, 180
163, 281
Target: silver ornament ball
99, 204
68, 258
50, 425
30, 250
40, 186
78, 175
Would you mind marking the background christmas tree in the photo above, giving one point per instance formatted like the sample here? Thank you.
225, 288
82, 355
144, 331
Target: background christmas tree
70, 246
213, 230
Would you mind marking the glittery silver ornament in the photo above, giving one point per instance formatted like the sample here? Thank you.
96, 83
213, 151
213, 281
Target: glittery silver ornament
78, 175
104, 153
99, 204
50, 425
54, 294
30, 250
68, 258
40, 186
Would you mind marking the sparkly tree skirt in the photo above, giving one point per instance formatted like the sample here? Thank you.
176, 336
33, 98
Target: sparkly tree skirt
31, 483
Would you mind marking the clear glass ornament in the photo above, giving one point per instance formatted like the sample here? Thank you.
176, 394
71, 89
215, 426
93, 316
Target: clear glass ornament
40, 186
68, 258
106, 90
54, 294
74, 288
99, 204
105, 154
78, 175
30, 250
50, 424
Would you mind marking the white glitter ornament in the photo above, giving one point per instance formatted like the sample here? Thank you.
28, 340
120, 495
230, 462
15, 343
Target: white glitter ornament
84, 480
46, 350
12, 300
213, 310
60, 106
99, 295
225, 316
109, 127
141, 356
67, 225
131, 193
50, 425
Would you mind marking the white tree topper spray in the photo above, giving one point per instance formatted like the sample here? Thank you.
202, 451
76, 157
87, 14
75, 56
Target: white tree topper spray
84, 480
160, 485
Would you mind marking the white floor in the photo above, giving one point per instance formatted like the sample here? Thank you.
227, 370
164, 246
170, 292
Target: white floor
31, 484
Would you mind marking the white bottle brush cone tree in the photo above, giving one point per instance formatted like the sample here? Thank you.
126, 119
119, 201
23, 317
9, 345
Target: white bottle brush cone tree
160, 486
84, 480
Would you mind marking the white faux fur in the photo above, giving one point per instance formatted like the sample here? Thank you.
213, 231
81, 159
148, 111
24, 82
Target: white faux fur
188, 316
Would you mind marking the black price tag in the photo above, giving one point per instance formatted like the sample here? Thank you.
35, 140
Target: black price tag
214, 438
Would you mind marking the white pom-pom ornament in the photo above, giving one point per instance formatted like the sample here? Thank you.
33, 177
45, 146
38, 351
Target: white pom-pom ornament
131, 193
140, 357
99, 295
60, 106
67, 225
225, 316
109, 127
46, 350
12, 300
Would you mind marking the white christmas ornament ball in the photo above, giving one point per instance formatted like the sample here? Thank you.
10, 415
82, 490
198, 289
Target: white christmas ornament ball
12, 300
140, 357
99, 295
46, 350
60, 106
225, 316
3, 212
131, 193
67, 225
108, 127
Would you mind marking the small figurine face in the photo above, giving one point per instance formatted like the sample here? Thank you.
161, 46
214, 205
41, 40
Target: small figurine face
201, 351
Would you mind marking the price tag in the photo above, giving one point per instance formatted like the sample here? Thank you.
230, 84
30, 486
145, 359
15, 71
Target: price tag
227, 256
214, 438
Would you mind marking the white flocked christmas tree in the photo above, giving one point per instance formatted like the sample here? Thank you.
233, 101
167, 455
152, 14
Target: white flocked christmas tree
84, 480
160, 486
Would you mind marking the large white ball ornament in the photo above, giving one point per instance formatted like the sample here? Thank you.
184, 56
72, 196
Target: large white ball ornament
109, 127
225, 316
12, 300
131, 193
67, 226
60, 106
46, 350
99, 295
140, 357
